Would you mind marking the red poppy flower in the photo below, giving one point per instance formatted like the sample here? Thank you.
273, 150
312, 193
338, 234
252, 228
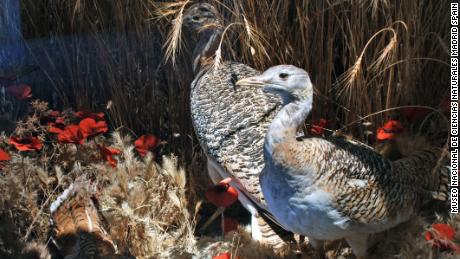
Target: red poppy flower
90, 127
414, 113
318, 127
71, 134
60, 120
56, 128
26, 144
389, 130
225, 255
442, 236
54, 113
4, 157
20, 92
108, 153
145, 143
229, 224
86, 114
222, 194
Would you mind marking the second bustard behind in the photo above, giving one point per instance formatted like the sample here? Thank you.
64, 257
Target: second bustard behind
331, 188
230, 123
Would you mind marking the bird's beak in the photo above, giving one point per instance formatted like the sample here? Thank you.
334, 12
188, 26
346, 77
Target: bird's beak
254, 81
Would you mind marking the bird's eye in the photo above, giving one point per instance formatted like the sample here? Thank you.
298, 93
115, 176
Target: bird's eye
196, 18
284, 75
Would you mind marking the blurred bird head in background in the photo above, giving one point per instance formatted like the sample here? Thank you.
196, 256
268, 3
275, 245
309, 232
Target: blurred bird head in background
291, 82
201, 16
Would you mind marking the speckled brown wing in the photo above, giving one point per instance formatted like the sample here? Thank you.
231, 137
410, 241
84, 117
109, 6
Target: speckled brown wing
78, 227
231, 123
369, 189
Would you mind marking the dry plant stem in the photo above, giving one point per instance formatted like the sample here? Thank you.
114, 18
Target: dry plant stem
17, 109
29, 230
218, 55
24, 172
78, 153
351, 74
392, 109
218, 212
222, 225
234, 251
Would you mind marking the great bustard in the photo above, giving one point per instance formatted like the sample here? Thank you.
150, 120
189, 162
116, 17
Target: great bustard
329, 189
230, 123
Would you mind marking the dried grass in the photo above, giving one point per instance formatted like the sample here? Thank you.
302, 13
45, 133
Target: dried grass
364, 57
144, 204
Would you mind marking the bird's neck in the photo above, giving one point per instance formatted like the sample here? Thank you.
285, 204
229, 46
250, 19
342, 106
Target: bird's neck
207, 45
287, 122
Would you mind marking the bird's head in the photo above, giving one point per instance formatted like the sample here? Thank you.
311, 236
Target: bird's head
200, 16
290, 82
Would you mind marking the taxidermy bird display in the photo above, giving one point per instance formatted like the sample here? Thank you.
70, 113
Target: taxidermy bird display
331, 188
230, 123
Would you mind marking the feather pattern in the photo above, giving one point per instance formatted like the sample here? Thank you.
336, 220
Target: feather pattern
332, 188
78, 226
231, 123
372, 192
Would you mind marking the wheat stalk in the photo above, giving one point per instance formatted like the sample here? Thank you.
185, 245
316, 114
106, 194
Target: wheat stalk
173, 40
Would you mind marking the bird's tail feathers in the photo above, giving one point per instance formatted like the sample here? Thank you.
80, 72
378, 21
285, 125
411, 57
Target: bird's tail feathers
77, 223
443, 174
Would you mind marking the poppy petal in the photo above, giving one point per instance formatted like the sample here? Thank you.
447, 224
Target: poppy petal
26, 143
20, 92
145, 143
56, 128
108, 153
90, 127
222, 194
71, 134
86, 114
4, 156
442, 236
318, 127
389, 130
226, 255
444, 231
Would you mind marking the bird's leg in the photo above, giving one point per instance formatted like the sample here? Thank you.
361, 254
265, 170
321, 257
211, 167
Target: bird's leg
358, 244
318, 245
